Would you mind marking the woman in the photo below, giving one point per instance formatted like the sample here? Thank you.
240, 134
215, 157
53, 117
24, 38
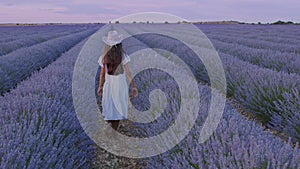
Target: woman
112, 82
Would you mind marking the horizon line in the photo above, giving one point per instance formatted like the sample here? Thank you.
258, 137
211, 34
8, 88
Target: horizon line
149, 22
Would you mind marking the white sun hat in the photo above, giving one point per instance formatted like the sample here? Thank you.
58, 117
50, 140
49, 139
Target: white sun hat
112, 38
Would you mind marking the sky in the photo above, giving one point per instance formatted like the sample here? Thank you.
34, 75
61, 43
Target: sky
87, 11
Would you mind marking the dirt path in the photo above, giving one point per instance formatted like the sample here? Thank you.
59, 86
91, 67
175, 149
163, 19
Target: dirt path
107, 160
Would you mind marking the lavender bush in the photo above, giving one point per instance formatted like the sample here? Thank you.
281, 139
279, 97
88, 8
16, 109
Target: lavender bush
39, 34
237, 142
277, 34
260, 44
259, 90
267, 58
256, 88
18, 65
39, 127
12, 33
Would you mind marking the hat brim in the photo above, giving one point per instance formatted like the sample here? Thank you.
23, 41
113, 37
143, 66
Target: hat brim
111, 43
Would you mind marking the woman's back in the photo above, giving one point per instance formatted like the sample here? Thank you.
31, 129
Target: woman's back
113, 59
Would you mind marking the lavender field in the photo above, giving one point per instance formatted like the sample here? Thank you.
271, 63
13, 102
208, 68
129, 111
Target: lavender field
260, 126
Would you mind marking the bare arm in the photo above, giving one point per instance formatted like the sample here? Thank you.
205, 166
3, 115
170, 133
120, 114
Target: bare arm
101, 80
128, 73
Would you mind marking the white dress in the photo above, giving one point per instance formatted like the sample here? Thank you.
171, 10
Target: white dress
115, 94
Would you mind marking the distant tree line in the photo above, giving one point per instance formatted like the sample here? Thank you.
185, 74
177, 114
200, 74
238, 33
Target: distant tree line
220, 22
284, 23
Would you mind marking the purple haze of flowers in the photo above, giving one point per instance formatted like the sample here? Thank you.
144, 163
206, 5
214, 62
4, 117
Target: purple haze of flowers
39, 127
267, 58
34, 35
238, 142
256, 88
260, 90
259, 45
280, 38
18, 65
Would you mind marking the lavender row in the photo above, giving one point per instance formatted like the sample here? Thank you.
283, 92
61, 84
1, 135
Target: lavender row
262, 90
258, 89
18, 65
235, 37
267, 58
258, 44
12, 33
265, 37
265, 93
272, 33
236, 143
39, 127
38, 37
288, 35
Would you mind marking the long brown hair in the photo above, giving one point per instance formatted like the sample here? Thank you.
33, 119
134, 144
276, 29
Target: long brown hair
113, 58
